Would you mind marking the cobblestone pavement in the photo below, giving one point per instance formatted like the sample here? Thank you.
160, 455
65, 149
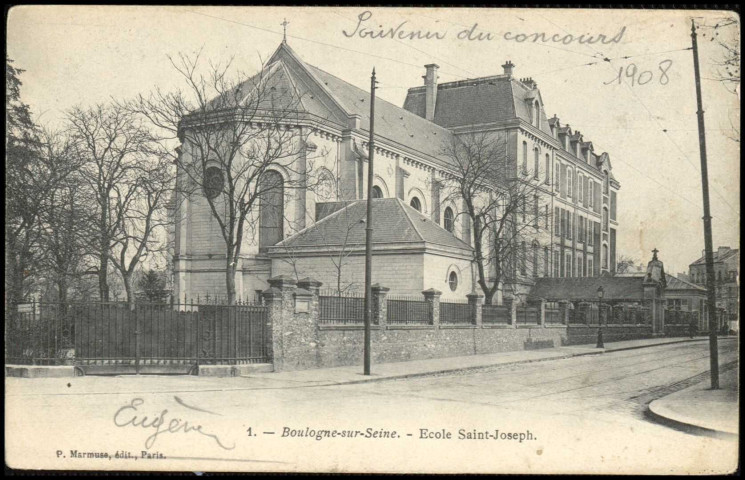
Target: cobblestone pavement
581, 414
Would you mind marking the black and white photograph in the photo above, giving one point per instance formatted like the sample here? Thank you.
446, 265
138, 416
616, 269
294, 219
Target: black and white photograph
372, 240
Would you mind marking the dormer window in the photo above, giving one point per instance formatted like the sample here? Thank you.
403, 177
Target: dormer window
537, 114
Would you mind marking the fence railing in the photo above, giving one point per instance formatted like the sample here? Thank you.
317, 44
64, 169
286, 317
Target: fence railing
496, 314
342, 310
150, 334
528, 315
553, 314
408, 311
458, 313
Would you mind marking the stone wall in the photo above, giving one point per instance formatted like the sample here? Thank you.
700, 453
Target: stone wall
588, 334
298, 341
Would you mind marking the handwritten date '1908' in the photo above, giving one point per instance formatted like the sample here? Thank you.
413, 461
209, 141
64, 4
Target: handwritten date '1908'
642, 77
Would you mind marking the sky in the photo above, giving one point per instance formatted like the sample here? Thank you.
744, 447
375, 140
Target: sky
646, 121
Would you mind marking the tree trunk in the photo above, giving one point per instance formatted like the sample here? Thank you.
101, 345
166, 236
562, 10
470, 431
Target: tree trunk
230, 281
129, 288
103, 278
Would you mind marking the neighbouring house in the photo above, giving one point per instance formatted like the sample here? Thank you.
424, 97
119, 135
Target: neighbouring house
684, 296
726, 280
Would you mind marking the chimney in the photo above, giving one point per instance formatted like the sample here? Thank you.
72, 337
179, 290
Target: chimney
430, 98
722, 250
508, 68
529, 82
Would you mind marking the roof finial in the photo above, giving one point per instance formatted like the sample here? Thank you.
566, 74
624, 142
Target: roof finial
284, 28
654, 254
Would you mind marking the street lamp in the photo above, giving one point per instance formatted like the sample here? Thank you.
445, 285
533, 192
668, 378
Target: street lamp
600, 292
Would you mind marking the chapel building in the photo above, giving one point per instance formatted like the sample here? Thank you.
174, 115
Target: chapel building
580, 193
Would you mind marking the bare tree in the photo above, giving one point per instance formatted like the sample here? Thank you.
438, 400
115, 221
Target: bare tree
64, 245
503, 205
118, 161
627, 264
725, 32
237, 134
31, 176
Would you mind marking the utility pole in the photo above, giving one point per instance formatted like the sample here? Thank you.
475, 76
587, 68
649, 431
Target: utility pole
369, 227
708, 243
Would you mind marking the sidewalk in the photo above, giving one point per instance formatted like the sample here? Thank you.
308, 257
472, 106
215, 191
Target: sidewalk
700, 409
417, 368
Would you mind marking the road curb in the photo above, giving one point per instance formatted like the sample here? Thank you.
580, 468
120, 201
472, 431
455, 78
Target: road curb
684, 426
517, 362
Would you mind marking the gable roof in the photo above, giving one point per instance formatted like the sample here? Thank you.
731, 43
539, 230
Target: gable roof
675, 283
328, 97
394, 222
726, 255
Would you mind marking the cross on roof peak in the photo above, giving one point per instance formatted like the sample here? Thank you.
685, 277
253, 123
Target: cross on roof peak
654, 253
284, 29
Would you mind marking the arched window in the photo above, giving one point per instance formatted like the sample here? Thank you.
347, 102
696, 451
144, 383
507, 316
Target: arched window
448, 220
537, 155
326, 190
525, 157
377, 192
271, 209
537, 114
453, 281
416, 204
214, 181
548, 169
605, 219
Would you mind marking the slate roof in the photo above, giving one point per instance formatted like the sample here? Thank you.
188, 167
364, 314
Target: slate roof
394, 222
675, 283
472, 102
585, 288
718, 258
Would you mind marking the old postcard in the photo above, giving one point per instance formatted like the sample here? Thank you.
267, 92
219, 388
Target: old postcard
372, 240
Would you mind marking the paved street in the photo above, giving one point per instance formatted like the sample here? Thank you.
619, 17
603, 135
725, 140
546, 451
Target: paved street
575, 414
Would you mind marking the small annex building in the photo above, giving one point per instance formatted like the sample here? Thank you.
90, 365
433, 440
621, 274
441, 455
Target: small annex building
411, 253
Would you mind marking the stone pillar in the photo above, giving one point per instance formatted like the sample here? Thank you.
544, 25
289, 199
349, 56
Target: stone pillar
475, 301
542, 312
380, 305
280, 301
432, 296
513, 311
564, 311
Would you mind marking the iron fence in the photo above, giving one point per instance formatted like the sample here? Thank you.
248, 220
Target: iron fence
528, 315
553, 313
113, 334
496, 314
342, 309
458, 313
408, 311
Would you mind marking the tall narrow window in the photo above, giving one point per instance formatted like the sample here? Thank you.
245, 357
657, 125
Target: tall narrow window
606, 183
545, 261
557, 222
557, 263
537, 162
525, 157
449, 219
569, 182
535, 211
524, 253
271, 209
590, 267
546, 216
535, 259
548, 169
580, 193
605, 219
568, 265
